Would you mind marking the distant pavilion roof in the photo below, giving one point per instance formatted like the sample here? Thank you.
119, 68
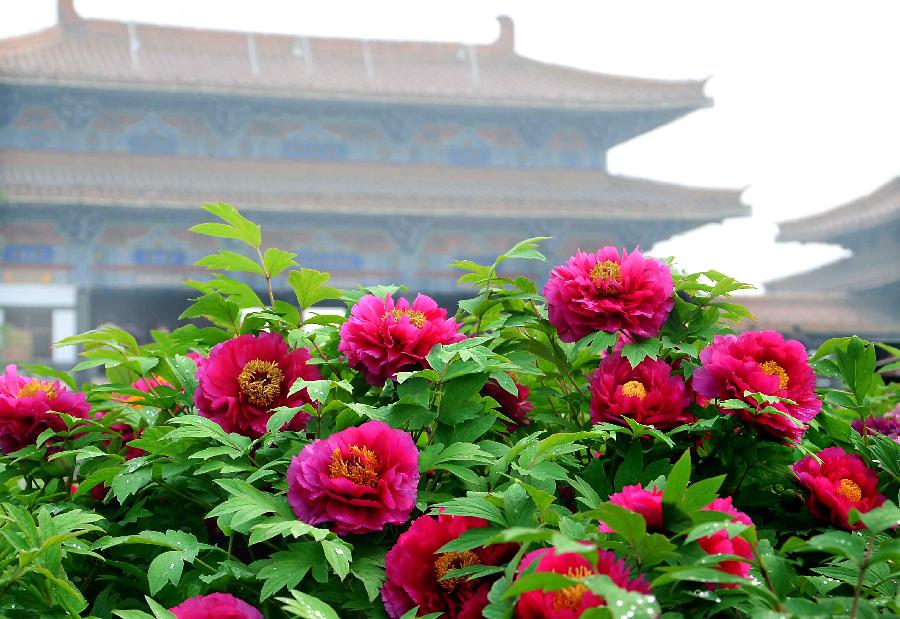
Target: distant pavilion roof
817, 314
879, 207
107, 54
43, 177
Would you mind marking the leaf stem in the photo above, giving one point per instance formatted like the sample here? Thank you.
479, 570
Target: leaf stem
262, 263
859, 581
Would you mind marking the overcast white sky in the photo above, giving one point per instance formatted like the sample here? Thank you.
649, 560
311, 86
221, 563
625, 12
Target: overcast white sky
807, 92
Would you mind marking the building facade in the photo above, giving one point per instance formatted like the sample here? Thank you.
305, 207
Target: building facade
857, 295
376, 161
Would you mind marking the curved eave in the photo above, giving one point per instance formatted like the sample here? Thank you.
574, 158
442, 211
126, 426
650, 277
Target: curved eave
875, 209
685, 106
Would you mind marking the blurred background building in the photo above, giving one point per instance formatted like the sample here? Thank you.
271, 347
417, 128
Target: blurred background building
375, 161
858, 295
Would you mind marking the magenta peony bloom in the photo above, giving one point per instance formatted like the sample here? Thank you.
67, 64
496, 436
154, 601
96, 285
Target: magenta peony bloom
570, 602
414, 569
650, 394
382, 338
720, 542
840, 483
361, 479
888, 424
25, 404
609, 292
246, 377
215, 606
647, 503
514, 405
760, 362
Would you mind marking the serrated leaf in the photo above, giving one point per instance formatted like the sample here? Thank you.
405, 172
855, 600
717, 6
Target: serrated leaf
165, 568
276, 261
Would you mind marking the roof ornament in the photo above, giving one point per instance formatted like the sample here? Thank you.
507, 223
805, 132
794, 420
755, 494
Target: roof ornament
251, 54
506, 41
473, 63
66, 14
367, 59
134, 47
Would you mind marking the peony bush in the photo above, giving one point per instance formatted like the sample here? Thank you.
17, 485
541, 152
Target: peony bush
614, 447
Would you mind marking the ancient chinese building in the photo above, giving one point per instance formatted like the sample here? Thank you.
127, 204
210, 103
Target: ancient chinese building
376, 161
857, 295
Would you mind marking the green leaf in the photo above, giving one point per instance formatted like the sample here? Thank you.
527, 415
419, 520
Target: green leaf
879, 518
166, 567
309, 287
527, 250
370, 575
640, 350
276, 261
226, 260
307, 607
677, 481
215, 308
128, 482
287, 568
626, 523
235, 227
337, 553
474, 506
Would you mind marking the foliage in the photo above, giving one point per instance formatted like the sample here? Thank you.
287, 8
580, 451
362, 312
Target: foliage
202, 510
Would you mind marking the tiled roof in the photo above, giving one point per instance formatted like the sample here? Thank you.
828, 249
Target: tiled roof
877, 208
868, 270
822, 315
107, 54
377, 189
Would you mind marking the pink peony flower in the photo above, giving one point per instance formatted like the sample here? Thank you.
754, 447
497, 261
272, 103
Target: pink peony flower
570, 602
760, 362
888, 424
514, 405
647, 503
650, 394
361, 479
721, 543
215, 606
382, 338
608, 292
840, 483
25, 405
246, 377
414, 570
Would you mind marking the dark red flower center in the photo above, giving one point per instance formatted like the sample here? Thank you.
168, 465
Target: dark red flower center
260, 381
361, 467
606, 272
570, 597
416, 318
449, 561
31, 389
773, 369
850, 489
634, 389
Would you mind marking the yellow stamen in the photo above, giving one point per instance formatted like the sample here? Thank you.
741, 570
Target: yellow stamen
850, 489
31, 389
634, 389
570, 597
260, 381
605, 270
360, 468
773, 369
416, 317
449, 561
